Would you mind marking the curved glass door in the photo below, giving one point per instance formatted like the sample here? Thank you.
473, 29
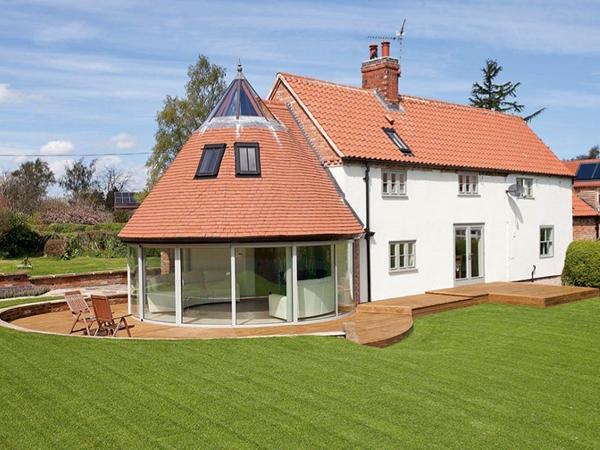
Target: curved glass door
316, 281
263, 278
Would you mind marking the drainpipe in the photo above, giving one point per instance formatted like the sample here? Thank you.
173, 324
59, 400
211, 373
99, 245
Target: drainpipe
597, 227
368, 232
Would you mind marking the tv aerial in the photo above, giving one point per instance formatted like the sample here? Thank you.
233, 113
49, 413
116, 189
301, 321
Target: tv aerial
398, 36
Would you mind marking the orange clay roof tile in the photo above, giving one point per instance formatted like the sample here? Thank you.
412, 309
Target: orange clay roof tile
294, 198
438, 133
582, 209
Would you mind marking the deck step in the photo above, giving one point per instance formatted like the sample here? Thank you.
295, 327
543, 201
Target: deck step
378, 329
383, 309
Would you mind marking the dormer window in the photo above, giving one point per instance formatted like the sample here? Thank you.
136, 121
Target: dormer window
391, 133
210, 162
247, 159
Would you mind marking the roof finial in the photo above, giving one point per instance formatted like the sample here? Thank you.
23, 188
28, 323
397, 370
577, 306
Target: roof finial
239, 68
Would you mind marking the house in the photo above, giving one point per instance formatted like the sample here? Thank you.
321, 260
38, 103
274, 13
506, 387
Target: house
323, 195
586, 197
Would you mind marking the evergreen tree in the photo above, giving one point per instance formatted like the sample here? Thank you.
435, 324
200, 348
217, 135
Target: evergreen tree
500, 97
181, 116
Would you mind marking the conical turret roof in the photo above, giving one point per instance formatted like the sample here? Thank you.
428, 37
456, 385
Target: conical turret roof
240, 100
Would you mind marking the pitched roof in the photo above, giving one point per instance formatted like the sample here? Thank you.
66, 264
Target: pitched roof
294, 198
582, 209
574, 167
438, 133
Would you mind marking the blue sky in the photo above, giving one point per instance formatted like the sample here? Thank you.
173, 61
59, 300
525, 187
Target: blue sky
88, 77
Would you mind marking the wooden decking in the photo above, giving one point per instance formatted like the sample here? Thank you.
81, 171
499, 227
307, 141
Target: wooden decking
377, 324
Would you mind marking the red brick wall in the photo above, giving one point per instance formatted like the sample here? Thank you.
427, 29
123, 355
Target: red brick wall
584, 228
66, 281
382, 74
167, 261
356, 270
20, 312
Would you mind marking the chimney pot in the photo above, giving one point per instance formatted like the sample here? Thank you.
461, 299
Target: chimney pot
385, 49
372, 51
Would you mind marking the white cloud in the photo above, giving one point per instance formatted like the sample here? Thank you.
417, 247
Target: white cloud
57, 148
123, 141
71, 31
107, 161
8, 95
59, 166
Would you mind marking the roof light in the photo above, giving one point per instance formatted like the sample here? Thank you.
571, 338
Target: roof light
391, 133
210, 161
247, 159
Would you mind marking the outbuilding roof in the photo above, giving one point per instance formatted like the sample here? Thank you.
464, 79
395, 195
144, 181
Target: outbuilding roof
437, 133
582, 209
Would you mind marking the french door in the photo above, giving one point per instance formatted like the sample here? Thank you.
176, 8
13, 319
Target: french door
468, 253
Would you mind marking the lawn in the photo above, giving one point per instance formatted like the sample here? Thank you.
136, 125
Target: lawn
486, 376
25, 300
47, 265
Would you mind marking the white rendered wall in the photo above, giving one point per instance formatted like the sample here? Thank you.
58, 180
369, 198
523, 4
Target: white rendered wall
432, 208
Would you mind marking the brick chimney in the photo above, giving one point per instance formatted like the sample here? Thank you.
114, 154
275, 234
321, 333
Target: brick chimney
382, 73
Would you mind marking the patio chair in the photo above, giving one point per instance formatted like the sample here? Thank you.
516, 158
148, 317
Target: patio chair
81, 312
105, 319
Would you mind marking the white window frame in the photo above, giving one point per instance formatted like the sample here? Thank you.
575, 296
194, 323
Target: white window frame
468, 184
548, 242
390, 188
396, 249
527, 186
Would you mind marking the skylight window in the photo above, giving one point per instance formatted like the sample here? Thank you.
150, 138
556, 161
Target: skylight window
247, 159
210, 162
391, 133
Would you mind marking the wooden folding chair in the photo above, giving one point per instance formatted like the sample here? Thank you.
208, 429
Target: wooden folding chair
81, 312
105, 319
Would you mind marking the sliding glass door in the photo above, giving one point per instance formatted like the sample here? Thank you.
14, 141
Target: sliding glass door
468, 253
263, 277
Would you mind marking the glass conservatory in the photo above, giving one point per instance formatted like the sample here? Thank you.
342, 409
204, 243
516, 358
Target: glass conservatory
243, 284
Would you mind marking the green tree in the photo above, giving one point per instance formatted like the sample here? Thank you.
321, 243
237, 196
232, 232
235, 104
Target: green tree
80, 183
179, 117
500, 97
27, 186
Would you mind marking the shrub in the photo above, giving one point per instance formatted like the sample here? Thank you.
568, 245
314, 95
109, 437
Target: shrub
96, 244
121, 216
582, 264
22, 291
17, 238
58, 211
55, 247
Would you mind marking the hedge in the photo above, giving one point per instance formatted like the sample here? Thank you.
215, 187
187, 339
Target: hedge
582, 264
